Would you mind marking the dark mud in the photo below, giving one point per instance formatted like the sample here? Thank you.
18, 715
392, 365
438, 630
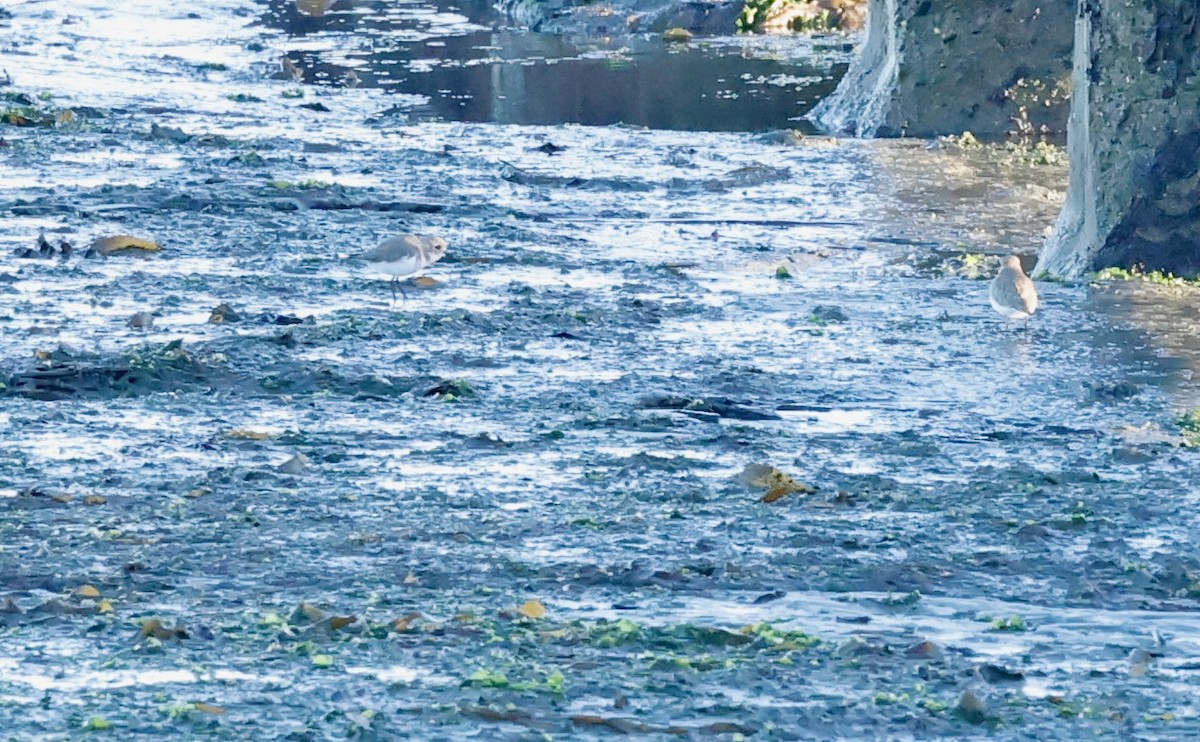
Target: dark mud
225, 528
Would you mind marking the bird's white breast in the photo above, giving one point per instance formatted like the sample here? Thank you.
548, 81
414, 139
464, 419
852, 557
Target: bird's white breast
405, 266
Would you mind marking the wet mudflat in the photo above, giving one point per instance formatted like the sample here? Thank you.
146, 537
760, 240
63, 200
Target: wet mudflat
516, 503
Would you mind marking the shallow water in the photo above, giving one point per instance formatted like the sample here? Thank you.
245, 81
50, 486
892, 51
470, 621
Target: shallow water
562, 417
462, 64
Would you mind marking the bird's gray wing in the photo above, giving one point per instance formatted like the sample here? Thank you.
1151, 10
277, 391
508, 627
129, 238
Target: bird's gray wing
1028, 293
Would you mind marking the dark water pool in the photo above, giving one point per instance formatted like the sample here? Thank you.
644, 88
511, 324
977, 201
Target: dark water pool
466, 66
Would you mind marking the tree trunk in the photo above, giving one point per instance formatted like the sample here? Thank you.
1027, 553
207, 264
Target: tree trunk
1134, 141
931, 67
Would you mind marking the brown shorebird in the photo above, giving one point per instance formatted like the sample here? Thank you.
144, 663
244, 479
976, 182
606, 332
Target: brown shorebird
403, 256
290, 70
1012, 293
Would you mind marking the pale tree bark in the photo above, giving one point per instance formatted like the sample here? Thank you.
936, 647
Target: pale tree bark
1134, 141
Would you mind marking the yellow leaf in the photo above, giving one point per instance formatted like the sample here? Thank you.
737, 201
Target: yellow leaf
777, 493
405, 623
117, 243
411, 579
677, 34
87, 591
777, 484
311, 612
154, 628
104, 606
533, 609
425, 282
95, 500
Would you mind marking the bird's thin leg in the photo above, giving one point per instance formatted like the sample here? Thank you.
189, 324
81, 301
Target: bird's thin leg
393, 286
402, 292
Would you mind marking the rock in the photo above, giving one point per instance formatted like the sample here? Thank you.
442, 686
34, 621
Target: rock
971, 707
926, 650
141, 321
1139, 662
995, 674
169, 133
297, 464
748, 177
223, 313
829, 313
1116, 391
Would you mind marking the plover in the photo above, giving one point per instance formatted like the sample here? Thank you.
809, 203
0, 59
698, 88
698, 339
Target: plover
290, 70
404, 255
1012, 293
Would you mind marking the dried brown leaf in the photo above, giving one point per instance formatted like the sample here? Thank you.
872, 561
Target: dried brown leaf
123, 242
208, 708
404, 623
533, 609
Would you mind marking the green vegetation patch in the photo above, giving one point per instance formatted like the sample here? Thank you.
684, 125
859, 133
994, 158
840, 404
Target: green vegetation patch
803, 17
1138, 273
1189, 427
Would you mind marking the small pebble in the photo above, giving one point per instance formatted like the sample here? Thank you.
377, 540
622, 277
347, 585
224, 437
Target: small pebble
141, 320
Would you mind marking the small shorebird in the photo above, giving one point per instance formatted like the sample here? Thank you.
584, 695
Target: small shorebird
290, 70
1012, 293
404, 255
